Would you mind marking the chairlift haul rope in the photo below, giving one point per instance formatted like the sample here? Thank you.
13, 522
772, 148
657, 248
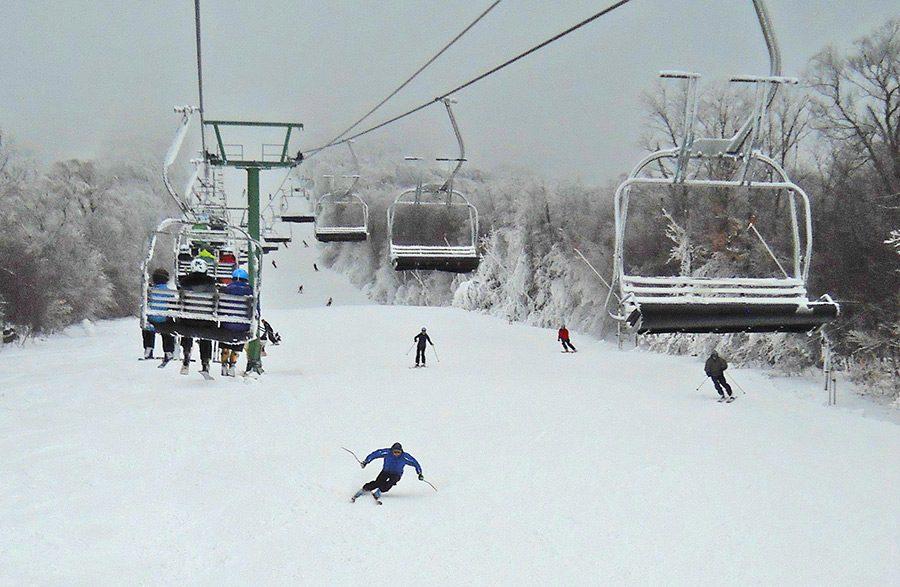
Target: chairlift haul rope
478, 78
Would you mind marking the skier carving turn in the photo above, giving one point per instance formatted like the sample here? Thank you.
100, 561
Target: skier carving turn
391, 472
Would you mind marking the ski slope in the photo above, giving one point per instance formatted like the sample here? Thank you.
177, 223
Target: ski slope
599, 467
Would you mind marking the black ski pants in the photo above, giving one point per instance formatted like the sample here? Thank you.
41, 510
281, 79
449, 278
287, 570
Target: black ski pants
420, 353
383, 482
168, 340
205, 349
567, 345
719, 382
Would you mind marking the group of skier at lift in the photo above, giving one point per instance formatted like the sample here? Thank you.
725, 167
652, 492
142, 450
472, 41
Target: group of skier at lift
200, 278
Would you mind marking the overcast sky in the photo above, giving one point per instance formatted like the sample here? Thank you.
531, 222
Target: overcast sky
84, 78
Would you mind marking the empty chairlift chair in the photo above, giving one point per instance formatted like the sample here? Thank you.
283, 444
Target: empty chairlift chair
342, 217
433, 226
695, 304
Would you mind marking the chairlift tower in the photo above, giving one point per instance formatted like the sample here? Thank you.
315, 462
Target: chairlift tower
272, 156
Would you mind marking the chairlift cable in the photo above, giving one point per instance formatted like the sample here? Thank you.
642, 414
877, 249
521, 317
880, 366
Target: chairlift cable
478, 78
418, 71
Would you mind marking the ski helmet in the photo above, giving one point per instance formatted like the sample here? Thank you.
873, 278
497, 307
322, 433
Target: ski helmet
397, 446
160, 275
199, 265
240, 274
423, 329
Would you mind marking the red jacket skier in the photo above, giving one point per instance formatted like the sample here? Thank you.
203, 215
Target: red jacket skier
563, 337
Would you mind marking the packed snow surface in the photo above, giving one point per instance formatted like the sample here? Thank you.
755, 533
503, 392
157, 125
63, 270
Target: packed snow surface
599, 467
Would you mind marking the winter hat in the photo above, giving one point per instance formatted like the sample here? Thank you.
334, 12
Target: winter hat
397, 446
160, 275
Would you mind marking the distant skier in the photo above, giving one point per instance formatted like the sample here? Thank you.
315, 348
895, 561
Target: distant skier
158, 280
329, 302
305, 245
274, 264
316, 267
391, 472
239, 286
300, 290
421, 340
563, 337
197, 280
715, 370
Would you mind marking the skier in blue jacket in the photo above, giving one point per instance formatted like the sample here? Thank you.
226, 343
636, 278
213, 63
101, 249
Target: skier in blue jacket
240, 286
394, 462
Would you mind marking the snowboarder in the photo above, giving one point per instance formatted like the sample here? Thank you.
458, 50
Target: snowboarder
563, 337
159, 280
197, 280
268, 335
421, 340
329, 302
715, 370
394, 462
239, 286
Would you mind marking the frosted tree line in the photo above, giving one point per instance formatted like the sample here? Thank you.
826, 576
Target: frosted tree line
72, 237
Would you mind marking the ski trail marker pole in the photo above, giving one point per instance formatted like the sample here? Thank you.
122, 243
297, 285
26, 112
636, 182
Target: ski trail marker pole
429, 482
354, 455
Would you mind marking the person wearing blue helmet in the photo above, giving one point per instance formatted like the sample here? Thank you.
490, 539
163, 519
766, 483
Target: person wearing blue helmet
239, 286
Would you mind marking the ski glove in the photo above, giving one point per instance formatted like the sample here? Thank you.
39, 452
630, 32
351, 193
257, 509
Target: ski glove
421, 477
362, 465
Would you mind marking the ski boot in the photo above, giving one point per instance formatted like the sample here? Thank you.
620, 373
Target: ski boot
224, 371
148, 353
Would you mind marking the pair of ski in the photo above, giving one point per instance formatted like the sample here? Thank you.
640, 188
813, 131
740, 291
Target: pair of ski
377, 501
726, 400
162, 363
205, 374
418, 366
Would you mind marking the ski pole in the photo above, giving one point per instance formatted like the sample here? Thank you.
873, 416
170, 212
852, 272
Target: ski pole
429, 482
701, 384
410, 348
434, 350
354, 455
733, 380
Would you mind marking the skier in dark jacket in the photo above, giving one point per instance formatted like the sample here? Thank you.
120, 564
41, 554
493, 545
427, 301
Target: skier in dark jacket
158, 280
715, 370
563, 337
198, 280
391, 472
239, 286
421, 340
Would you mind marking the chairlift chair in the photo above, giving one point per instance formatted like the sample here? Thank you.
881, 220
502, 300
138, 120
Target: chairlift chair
332, 210
300, 216
427, 199
198, 314
690, 304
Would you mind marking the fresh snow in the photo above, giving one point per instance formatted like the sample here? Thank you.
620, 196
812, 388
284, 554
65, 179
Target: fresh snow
599, 467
